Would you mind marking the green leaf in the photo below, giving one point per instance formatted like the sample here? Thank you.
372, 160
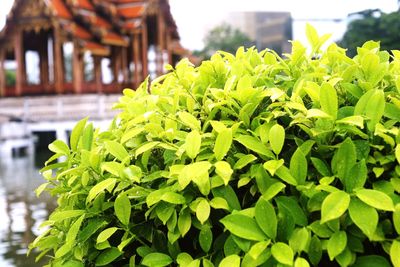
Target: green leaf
231, 261
321, 166
266, 218
243, 226
298, 166
173, 198
284, 174
356, 177
273, 190
117, 150
336, 244
273, 165
364, 216
65, 214
193, 144
282, 253
395, 253
223, 143
219, 203
344, 159
184, 222
146, 147
397, 153
189, 120
203, 211
87, 137
131, 134
122, 208
100, 187
291, 206
76, 133
255, 145
396, 218
106, 234
312, 36
301, 262
376, 199
59, 147
371, 261
224, 170
375, 108
244, 161
329, 100
300, 239
334, 205
276, 138
108, 256
156, 259
74, 230
258, 248
205, 238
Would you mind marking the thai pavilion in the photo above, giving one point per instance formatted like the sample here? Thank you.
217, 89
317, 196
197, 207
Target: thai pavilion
85, 46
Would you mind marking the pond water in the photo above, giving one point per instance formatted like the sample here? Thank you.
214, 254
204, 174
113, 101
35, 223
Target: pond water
21, 212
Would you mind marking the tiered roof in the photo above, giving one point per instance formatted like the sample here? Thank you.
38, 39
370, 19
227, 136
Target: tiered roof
97, 24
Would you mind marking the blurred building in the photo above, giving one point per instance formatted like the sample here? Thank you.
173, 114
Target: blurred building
69, 45
268, 29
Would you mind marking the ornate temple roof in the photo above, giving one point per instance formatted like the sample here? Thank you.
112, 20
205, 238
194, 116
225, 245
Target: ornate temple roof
94, 24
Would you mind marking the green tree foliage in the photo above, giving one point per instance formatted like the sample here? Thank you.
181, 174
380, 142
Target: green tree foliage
373, 25
223, 37
10, 77
247, 160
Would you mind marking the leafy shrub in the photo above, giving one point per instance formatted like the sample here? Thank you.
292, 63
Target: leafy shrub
248, 160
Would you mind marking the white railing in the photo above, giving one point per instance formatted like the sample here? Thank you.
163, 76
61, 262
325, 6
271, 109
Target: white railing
58, 108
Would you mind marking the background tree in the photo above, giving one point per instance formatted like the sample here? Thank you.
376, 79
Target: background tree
223, 37
373, 25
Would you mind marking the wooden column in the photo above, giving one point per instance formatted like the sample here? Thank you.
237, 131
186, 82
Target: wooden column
97, 74
19, 58
136, 60
145, 49
77, 69
2, 73
160, 44
58, 61
169, 48
124, 64
44, 63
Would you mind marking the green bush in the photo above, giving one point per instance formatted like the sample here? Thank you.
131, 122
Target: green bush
249, 160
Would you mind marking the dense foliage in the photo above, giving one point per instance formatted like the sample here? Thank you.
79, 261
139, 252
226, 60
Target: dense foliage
247, 160
223, 37
373, 25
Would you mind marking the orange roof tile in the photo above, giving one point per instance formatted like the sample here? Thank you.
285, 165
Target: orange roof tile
60, 9
84, 4
130, 11
95, 48
113, 38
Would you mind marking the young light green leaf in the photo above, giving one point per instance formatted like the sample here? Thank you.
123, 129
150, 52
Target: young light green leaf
189, 120
301, 262
223, 143
122, 208
245, 160
344, 159
184, 222
396, 218
300, 239
156, 259
376, 199
334, 205
397, 153
193, 144
258, 248
74, 230
107, 184
273, 165
117, 150
243, 226
277, 138
255, 145
336, 244
320, 166
298, 166
76, 133
131, 134
203, 211
59, 147
146, 147
173, 198
273, 190
224, 170
329, 100
106, 234
219, 203
266, 218
375, 108
282, 253
394, 253
231, 261
364, 216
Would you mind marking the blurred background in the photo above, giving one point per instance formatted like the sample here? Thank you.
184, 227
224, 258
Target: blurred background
37, 106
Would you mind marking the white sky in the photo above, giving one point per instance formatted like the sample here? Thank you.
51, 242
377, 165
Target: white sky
195, 17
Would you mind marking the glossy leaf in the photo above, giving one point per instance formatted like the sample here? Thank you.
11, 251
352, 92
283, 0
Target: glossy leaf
364, 216
276, 138
334, 205
117, 150
329, 100
282, 253
243, 226
266, 218
156, 260
122, 208
223, 143
336, 244
376, 199
193, 144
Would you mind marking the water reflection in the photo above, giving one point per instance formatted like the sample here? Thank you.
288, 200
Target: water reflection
20, 211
